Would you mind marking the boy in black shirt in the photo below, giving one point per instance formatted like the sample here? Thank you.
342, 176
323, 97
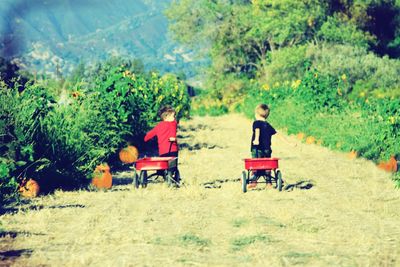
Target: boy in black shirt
261, 140
262, 133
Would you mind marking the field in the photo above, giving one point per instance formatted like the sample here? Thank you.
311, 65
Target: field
334, 211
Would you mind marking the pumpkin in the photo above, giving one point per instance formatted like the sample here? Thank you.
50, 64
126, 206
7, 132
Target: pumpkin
390, 166
352, 154
29, 188
392, 163
300, 136
129, 154
102, 177
310, 140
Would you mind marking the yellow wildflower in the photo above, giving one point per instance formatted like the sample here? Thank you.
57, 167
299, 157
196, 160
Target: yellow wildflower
362, 94
126, 73
296, 84
266, 87
339, 91
392, 120
310, 22
315, 75
344, 77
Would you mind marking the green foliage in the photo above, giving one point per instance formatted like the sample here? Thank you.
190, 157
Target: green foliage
266, 39
366, 73
61, 135
286, 64
21, 122
321, 110
340, 31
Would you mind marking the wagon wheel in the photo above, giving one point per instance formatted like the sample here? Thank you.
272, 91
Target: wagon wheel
177, 177
173, 177
279, 180
155, 176
143, 179
244, 181
136, 181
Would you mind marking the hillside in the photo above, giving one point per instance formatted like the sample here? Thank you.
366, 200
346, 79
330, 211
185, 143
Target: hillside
41, 35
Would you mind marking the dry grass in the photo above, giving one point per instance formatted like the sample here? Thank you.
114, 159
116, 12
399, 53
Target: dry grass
349, 217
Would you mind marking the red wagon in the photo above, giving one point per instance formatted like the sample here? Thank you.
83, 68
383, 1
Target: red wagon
166, 167
267, 168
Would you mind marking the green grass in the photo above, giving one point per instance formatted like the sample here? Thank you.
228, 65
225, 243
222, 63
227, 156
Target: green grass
242, 242
193, 240
240, 222
297, 258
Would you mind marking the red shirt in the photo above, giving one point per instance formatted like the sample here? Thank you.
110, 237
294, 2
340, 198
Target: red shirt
164, 130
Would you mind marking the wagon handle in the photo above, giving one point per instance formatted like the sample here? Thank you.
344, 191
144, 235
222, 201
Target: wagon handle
170, 144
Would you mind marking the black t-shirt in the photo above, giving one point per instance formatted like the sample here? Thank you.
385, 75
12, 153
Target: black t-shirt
266, 132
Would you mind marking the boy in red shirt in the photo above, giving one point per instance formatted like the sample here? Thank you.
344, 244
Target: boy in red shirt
165, 132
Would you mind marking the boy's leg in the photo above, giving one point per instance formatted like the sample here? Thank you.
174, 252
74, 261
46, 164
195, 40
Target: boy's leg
267, 154
255, 153
172, 154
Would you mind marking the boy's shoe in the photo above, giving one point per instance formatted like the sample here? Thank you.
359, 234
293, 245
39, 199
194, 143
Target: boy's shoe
268, 186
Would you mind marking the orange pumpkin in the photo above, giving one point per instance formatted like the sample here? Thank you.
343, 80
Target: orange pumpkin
29, 188
310, 140
390, 166
102, 177
129, 154
300, 136
352, 154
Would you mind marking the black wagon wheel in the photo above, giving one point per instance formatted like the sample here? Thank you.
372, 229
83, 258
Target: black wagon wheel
244, 181
171, 177
143, 178
279, 180
177, 177
136, 181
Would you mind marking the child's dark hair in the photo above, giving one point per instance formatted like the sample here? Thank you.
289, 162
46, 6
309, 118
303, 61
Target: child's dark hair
262, 110
164, 111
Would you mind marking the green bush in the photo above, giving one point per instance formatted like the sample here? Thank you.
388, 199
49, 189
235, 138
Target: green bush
341, 31
366, 73
370, 127
59, 134
286, 64
21, 116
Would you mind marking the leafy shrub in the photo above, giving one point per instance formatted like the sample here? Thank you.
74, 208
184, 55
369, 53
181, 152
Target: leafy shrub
21, 115
365, 72
286, 64
341, 31
369, 127
59, 135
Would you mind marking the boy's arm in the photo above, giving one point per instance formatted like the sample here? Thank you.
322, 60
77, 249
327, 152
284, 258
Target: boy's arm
150, 134
282, 137
256, 137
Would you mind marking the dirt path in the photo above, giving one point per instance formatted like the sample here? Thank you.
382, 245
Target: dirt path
336, 212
